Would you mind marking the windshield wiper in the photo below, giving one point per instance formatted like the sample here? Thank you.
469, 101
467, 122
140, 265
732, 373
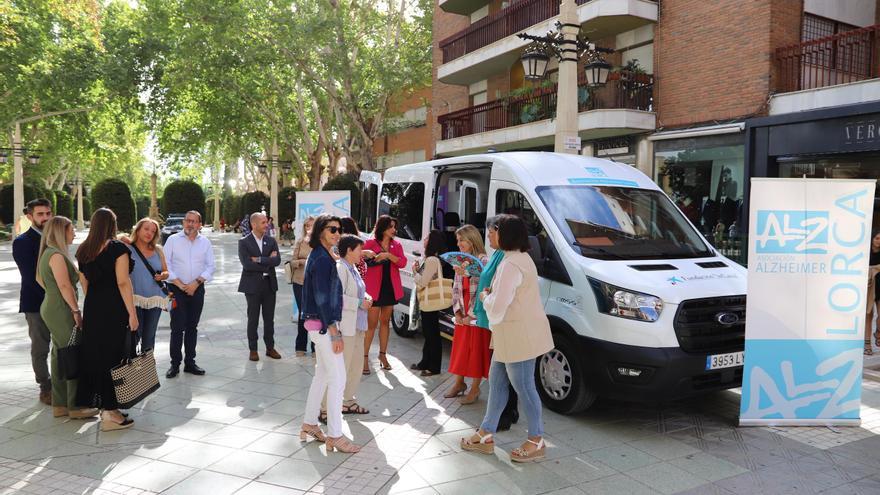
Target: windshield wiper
600, 250
606, 228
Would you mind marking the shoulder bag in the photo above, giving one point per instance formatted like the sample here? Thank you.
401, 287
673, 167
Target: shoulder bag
437, 295
135, 377
172, 303
68, 357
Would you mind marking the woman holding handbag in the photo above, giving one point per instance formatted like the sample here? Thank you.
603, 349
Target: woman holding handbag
148, 281
433, 269
108, 313
322, 312
60, 310
301, 251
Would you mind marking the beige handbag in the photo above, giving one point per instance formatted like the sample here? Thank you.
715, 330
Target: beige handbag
437, 295
288, 271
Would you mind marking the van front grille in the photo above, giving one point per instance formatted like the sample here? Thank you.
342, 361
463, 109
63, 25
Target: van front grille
699, 328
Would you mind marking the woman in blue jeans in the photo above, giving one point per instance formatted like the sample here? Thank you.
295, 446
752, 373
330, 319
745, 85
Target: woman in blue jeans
520, 333
147, 280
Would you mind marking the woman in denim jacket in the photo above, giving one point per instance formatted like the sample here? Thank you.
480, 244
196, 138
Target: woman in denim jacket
322, 310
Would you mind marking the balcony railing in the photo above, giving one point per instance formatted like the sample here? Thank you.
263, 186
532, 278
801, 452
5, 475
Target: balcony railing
843, 58
499, 25
632, 91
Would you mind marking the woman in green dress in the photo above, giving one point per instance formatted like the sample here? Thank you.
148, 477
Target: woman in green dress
60, 309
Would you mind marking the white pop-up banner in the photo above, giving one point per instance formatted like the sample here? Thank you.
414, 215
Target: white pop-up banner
807, 293
314, 203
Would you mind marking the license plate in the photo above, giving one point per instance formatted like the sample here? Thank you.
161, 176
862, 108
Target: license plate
729, 360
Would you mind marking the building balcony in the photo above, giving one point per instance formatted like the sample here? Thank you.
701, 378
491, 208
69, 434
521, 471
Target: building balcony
835, 70
463, 7
623, 106
489, 46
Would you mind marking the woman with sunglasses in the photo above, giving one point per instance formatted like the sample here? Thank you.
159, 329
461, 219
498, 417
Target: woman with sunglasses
322, 311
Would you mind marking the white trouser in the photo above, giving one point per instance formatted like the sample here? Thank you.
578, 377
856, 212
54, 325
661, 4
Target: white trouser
329, 378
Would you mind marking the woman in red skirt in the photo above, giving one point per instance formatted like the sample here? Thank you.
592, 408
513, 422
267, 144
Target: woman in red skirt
471, 357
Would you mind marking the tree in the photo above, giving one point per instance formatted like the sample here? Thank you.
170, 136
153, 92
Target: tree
182, 196
115, 194
87, 209
63, 204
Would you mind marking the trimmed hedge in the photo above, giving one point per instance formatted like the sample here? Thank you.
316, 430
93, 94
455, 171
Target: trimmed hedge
7, 200
182, 196
63, 204
115, 194
286, 204
253, 202
347, 182
230, 209
87, 209
142, 205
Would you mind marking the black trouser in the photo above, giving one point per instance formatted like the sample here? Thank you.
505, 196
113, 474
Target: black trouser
432, 350
257, 302
302, 336
185, 324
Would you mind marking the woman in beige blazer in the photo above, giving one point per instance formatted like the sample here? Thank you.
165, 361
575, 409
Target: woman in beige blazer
301, 252
520, 333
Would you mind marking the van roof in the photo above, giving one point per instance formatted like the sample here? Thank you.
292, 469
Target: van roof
545, 168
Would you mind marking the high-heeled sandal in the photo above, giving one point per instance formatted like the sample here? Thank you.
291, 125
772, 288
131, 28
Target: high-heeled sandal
869, 351
384, 361
470, 398
109, 424
366, 365
313, 431
520, 454
342, 444
877, 338
455, 391
482, 444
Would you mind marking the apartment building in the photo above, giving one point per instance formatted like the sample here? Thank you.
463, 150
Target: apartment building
407, 138
704, 95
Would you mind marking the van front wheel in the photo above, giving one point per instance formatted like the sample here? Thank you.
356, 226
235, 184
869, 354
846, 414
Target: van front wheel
560, 379
400, 324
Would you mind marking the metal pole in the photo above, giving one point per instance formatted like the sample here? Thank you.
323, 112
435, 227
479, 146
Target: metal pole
273, 178
18, 179
566, 98
219, 187
80, 216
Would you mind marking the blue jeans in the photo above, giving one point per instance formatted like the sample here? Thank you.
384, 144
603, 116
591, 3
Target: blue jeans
148, 322
521, 376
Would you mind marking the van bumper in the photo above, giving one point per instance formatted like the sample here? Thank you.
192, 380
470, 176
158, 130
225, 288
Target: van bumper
667, 373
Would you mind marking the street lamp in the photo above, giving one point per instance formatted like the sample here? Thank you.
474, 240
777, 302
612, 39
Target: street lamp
274, 163
535, 61
29, 153
596, 71
536, 56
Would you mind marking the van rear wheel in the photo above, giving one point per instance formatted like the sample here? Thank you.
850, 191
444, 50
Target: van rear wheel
400, 324
560, 379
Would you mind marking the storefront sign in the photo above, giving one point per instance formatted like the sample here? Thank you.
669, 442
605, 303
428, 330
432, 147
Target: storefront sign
840, 135
807, 294
573, 143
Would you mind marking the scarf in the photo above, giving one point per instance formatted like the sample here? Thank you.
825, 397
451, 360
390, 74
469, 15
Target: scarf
486, 281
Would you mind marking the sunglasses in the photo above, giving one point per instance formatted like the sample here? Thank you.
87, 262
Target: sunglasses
333, 229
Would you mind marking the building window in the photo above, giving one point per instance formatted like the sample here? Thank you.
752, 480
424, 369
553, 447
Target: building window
815, 27
404, 201
705, 178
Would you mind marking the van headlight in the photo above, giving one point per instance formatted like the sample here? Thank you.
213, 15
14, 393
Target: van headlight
623, 303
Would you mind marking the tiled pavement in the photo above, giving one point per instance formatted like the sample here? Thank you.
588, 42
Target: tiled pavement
235, 431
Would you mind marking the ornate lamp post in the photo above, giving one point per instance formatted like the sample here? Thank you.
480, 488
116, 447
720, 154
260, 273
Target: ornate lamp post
567, 46
274, 163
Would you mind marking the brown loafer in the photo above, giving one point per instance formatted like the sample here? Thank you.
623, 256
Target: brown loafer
272, 353
255, 356
46, 397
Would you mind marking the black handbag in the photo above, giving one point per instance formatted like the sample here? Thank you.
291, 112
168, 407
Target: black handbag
68, 357
136, 377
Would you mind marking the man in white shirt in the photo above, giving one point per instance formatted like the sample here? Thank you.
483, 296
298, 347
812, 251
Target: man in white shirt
190, 261
258, 253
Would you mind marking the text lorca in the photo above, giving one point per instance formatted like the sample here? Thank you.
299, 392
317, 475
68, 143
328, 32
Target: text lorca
846, 294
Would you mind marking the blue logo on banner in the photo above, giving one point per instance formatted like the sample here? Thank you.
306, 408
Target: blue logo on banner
310, 209
814, 379
343, 204
595, 171
791, 232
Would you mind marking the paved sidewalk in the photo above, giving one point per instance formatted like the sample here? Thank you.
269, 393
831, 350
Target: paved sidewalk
235, 430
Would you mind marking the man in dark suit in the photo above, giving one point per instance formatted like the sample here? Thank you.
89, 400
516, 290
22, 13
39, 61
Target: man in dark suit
25, 251
258, 253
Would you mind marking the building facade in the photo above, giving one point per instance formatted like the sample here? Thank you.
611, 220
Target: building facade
407, 138
704, 95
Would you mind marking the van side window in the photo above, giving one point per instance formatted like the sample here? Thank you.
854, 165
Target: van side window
542, 251
369, 198
404, 201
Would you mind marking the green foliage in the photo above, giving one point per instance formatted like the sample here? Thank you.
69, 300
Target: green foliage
142, 204
286, 204
115, 194
7, 199
63, 204
182, 196
230, 209
253, 202
87, 209
347, 182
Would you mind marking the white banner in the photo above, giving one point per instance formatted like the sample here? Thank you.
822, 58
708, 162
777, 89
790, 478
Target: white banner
807, 294
314, 203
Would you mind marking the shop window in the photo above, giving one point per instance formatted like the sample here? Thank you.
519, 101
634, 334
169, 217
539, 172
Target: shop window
705, 178
542, 250
404, 201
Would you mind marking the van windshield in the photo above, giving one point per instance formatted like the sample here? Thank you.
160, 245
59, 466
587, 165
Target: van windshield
619, 223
